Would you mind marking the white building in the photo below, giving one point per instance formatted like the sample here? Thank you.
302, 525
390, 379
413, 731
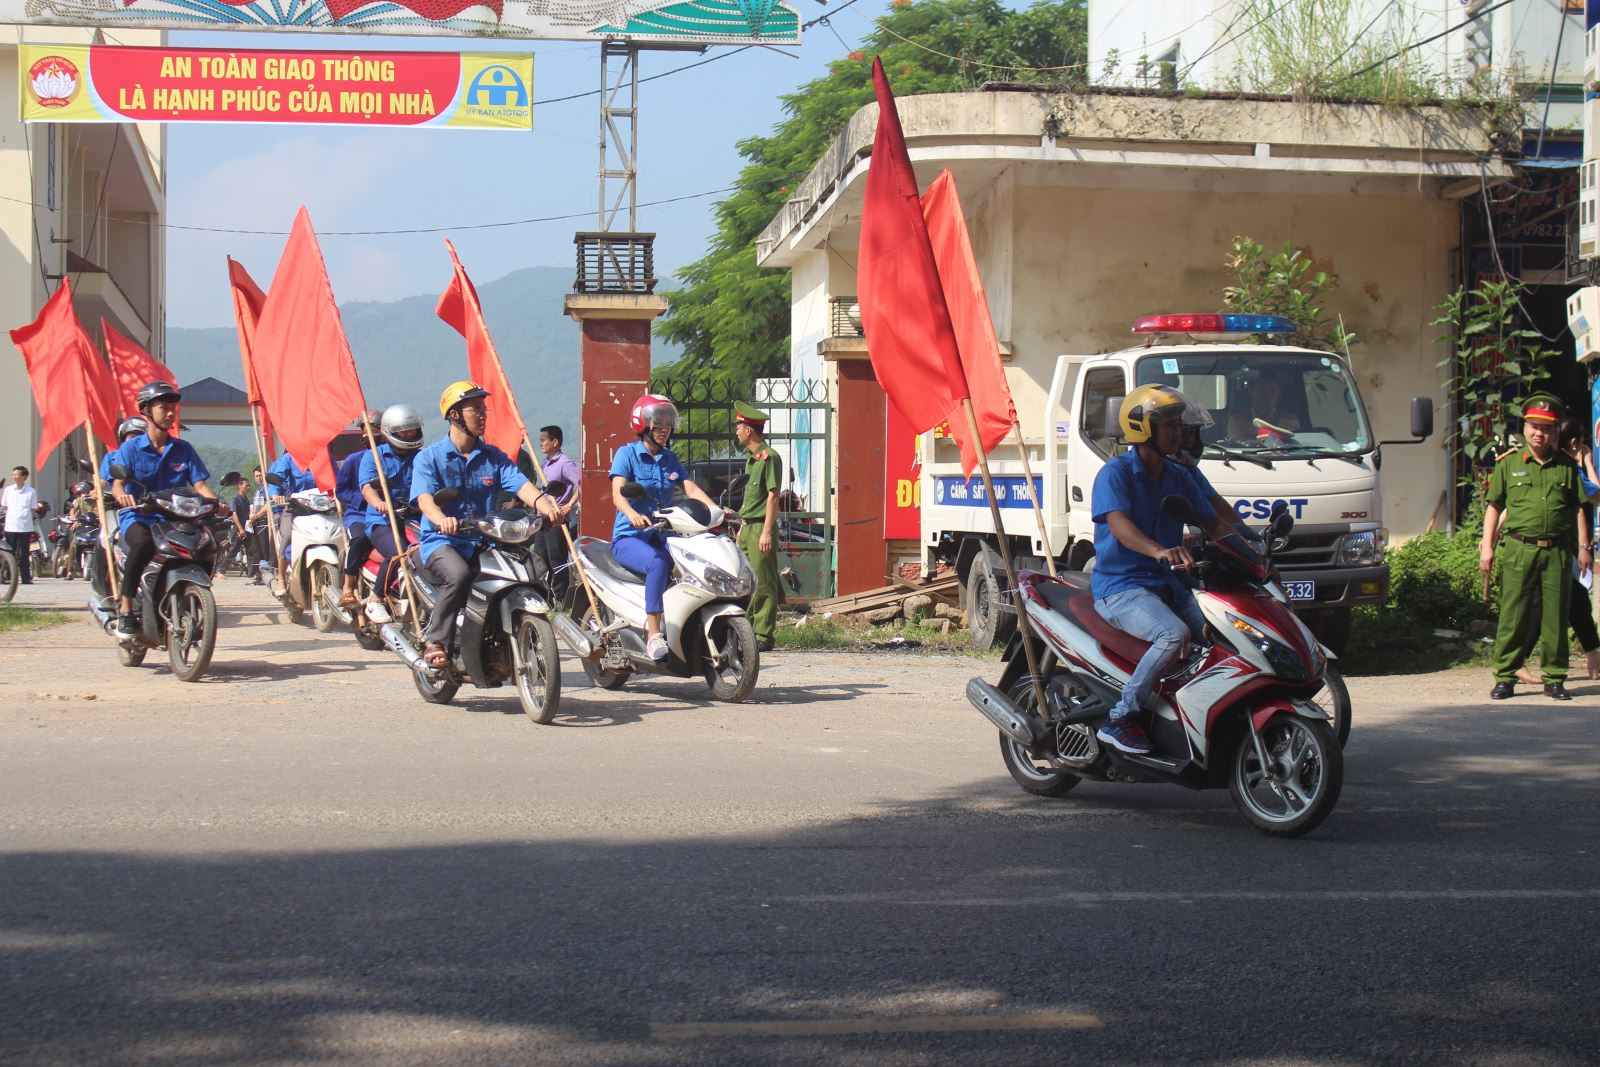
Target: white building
85, 201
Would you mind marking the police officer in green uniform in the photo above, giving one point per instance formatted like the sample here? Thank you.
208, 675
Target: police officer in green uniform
1538, 490
757, 537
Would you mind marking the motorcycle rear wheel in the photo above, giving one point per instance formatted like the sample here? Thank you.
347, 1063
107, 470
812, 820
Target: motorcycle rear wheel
10, 577
735, 638
325, 583
1307, 774
539, 677
130, 655
592, 623
1034, 776
437, 689
192, 635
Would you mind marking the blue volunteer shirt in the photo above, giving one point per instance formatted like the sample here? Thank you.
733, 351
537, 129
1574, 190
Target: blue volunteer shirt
397, 469
347, 488
150, 468
480, 476
295, 480
659, 474
1124, 485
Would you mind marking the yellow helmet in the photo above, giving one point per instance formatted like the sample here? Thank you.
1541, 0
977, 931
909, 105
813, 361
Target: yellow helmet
1149, 404
456, 392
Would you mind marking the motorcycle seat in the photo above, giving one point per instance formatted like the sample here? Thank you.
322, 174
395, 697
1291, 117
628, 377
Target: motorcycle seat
597, 554
1124, 646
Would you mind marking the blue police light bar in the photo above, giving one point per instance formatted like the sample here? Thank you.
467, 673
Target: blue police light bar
1207, 323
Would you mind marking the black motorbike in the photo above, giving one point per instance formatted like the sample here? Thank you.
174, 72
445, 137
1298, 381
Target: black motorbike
175, 606
82, 544
10, 573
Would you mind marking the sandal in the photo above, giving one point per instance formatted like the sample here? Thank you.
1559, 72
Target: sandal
435, 656
348, 599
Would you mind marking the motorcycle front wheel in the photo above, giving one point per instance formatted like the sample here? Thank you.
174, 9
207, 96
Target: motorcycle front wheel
1334, 697
10, 577
1301, 783
325, 583
192, 632
539, 668
734, 639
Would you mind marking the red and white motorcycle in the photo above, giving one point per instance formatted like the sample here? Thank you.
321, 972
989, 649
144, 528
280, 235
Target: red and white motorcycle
1241, 713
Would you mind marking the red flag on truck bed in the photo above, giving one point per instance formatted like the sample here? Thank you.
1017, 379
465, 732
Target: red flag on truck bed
909, 336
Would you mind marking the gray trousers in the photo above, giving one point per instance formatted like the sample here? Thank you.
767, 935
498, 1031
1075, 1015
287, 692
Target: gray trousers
452, 576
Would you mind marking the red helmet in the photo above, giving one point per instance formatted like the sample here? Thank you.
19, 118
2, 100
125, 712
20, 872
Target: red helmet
650, 411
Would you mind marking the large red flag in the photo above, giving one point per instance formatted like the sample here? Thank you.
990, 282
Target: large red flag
303, 363
105, 406
903, 314
974, 329
458, 306
248, 300
53, 350
133, 367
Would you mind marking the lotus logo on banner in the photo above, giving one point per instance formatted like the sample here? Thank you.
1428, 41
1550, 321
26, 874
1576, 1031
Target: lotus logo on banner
54, 81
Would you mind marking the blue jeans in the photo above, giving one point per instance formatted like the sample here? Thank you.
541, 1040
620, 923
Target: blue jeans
641, 554
1145, 614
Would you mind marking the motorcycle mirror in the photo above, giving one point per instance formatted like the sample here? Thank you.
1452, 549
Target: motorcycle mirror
1179, 509
120, 473
275, 480
557, 487
447, 496
634, 491
1282, 522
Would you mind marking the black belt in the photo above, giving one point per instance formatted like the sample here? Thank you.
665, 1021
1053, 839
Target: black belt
1541, 542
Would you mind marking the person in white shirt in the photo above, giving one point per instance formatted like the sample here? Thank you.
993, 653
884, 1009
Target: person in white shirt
18, 499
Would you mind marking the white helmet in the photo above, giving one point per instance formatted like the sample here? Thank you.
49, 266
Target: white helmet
401, 427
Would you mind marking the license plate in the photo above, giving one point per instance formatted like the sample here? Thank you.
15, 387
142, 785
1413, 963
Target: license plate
1300, 590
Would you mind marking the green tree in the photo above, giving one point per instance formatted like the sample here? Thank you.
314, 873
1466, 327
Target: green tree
732, 317
1283, 283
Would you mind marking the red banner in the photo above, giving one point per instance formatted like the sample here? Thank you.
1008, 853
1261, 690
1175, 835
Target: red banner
902, 479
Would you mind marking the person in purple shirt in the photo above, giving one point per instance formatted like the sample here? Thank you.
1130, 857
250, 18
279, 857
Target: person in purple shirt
551, 542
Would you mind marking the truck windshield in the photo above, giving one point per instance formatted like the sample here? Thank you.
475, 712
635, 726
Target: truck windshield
1266, 400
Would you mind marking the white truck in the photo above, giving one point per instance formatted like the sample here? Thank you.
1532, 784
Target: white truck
1289, 425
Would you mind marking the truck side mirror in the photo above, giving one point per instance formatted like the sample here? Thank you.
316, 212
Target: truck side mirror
1422, 417
1113, 418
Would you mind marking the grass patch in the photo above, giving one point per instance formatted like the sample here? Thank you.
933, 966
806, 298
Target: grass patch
836, 635
14, 618
1385, 641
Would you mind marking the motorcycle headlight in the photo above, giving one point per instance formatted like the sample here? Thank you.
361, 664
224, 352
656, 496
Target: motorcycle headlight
1283, 660
1364, 549
715, 580
513, 531
186, 507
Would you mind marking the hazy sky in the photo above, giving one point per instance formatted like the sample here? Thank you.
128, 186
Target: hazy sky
254, 177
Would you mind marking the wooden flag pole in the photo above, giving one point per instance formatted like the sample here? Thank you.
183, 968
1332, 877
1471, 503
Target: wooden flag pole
1043, 710
1033, 498
100, 506
394, 526
544, 482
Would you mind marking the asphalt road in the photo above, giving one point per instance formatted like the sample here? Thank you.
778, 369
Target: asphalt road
298, 861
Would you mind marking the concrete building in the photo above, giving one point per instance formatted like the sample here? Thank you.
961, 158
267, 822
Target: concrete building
1089, 210
85, 201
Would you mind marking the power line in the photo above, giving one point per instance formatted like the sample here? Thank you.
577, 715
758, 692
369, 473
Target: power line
1414, 45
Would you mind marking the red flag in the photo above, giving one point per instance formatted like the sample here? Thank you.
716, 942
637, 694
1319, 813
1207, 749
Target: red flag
133, 367
105, 406
52, 347
248, 300
974, 329
458, 306
903, 314
302, 360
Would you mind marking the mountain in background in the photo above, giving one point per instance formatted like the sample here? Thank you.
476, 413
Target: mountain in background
406, 355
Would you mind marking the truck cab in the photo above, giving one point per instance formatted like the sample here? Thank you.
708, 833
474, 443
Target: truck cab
1288, 424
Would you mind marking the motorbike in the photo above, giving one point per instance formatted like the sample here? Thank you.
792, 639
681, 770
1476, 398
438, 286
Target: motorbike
505, 632
175, 605
10, 573
312, 580
368, 633
1238, 713
81, 544
704, 618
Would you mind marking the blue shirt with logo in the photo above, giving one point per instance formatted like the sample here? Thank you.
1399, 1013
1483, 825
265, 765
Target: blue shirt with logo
295, 480
347, 488
397, 468
480, 476
150, 468
1125, 485
659, 475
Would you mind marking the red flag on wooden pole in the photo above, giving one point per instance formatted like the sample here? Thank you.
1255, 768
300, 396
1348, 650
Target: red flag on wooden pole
248, 300
909, 336
459, 307
303, 364
105, 406
969, 317
132, 366
52, 349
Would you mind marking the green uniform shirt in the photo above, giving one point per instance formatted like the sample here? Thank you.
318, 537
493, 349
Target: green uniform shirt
765, 471
1539, 500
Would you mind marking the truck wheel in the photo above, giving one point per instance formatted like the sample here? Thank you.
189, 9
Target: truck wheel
990, 618
1331, 626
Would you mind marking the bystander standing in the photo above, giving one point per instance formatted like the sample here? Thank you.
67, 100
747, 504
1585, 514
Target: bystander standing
551, 543
19, 501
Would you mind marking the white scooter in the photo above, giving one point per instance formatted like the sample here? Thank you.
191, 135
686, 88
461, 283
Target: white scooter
316, 545
704, 618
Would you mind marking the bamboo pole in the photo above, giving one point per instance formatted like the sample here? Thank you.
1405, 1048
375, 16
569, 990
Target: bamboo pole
394, 527
566, 534
1033, 498
100, 506
1023, 625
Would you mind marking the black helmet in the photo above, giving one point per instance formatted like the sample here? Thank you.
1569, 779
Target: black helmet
150, 392
81, 489
132, 426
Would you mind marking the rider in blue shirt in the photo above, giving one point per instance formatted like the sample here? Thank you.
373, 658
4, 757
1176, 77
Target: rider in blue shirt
293, 480
1137, 546
128, 428
353, 514
401, 429
153, 460
479, 472
635, 543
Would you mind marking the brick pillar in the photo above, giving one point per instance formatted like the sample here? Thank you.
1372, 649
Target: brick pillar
862, 552
615, 368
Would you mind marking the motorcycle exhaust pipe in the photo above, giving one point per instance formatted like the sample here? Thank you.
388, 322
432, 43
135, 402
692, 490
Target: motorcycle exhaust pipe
998, 709
401, 647
574, 635
106, 619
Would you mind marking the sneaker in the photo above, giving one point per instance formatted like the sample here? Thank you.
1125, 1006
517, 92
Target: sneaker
377, 613
128, 626
1125, 735
657, 648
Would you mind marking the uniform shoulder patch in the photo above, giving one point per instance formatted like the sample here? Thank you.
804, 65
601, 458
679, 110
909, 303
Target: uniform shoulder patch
763, 454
